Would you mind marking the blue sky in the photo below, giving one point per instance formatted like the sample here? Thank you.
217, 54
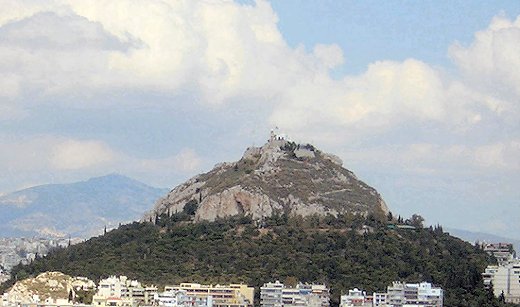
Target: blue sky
419, 98
369, 31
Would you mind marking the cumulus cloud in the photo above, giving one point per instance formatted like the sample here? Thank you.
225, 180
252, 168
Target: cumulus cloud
491, 60
330, 56
73, 154
386, 94
221, 53
491, 63
216, 50
48, 30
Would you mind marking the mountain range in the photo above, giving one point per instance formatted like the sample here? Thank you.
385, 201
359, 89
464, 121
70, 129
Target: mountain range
79, 209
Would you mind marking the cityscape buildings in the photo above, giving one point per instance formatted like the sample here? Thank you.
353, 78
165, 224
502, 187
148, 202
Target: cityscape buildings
233, 295
398, 294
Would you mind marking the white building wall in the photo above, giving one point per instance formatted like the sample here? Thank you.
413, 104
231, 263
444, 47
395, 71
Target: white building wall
506, 279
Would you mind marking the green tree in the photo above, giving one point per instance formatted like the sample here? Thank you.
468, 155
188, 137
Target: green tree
190, 207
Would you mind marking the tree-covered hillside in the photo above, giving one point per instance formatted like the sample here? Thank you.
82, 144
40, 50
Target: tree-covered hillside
343, 252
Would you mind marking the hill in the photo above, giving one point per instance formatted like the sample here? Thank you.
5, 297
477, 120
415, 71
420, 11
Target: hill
344, 252
284, 211
49, 286
80, 209
279, 177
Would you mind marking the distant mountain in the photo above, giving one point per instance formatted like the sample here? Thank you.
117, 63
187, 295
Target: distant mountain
80, 209
472, 237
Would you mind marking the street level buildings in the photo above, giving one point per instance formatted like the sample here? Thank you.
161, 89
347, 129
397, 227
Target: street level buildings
398, 294
277, 295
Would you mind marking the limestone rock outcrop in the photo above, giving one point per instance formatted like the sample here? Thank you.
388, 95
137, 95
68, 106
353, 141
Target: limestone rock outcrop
279, 177
48, 287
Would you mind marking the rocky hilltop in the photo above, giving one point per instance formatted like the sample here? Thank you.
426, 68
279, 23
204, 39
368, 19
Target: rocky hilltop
279, 177
48, 287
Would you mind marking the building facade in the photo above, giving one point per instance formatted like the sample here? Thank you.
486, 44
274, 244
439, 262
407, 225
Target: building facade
356, 297
178, 298
121, 291
504, 278
423, 294
233, 295
277, 295
503, 252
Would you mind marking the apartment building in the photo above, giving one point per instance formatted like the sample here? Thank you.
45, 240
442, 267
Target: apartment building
174, 298
277, 295
505, 278
271, 294
121, 291
233, 295
414, 295
503, 252
356, 297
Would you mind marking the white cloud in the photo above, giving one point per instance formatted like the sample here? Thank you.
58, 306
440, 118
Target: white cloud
74, 155
220, 51
37, 66
51, 153
187, 161
491, 65
387, 95
330, 56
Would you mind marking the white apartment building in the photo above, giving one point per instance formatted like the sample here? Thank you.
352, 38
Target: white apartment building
414, 295
355, 297
178, 298
233, 295
379, 299
277, 295
271, 294
503, 252
504, 278
121, 291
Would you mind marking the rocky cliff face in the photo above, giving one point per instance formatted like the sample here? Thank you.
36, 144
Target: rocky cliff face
279, 177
